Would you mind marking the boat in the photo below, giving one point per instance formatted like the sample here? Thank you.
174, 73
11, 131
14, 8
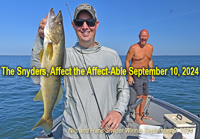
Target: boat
168, 122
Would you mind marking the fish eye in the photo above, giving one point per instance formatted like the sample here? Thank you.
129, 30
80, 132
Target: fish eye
59, 22
53, 19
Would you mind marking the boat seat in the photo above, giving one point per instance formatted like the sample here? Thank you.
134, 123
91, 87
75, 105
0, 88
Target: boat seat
177, 135
133, 103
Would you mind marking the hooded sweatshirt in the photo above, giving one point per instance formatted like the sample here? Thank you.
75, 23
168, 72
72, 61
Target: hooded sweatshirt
81, 116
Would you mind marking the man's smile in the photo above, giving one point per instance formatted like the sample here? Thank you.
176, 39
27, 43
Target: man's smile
85, 33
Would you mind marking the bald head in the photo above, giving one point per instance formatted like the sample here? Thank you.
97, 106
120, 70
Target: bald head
144, 35
145, 31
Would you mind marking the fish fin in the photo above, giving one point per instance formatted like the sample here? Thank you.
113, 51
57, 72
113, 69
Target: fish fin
39, 96
50, 51
46, 124
60, 95
41, 54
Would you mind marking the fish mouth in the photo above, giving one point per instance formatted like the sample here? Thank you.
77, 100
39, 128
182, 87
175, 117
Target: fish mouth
54, 26
54, 18
51, 14
59, 15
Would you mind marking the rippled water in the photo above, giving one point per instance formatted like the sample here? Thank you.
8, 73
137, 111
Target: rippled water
19, 113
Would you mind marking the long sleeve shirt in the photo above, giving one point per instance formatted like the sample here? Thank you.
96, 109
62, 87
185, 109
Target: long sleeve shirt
80, 108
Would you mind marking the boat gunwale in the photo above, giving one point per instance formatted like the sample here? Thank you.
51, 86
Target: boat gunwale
177, 108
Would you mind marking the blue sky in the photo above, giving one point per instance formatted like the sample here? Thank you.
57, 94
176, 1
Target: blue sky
173, 25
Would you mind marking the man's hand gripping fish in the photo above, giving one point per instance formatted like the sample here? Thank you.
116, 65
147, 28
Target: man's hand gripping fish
52, 55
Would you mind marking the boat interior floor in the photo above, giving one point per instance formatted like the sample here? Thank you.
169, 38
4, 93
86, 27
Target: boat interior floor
130, 131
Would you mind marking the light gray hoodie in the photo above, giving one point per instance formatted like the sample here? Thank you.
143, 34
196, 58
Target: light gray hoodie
80, 108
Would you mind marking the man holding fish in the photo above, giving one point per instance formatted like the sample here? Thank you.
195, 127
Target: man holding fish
92, 102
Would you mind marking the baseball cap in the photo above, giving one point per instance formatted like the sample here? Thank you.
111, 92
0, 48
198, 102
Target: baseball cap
86, 7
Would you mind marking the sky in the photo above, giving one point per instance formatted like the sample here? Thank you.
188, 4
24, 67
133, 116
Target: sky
173, 25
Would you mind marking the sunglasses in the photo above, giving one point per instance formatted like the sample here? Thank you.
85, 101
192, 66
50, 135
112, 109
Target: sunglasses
79, 22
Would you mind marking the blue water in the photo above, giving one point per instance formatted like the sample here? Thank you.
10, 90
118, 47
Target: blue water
19, 113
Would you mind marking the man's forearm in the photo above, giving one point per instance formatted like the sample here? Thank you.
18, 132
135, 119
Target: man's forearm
123, 96
127, 67
151, 65
122, 102
35, 60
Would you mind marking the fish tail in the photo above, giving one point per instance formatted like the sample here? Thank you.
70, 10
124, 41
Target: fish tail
46, 124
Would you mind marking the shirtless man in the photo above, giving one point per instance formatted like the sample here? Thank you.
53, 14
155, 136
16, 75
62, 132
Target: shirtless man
141, 56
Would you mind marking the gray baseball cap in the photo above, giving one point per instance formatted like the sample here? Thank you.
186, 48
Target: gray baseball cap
86, 7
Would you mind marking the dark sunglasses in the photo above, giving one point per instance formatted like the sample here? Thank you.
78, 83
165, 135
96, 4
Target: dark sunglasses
79, 22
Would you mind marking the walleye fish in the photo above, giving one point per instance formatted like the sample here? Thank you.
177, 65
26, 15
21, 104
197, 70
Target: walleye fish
52, 55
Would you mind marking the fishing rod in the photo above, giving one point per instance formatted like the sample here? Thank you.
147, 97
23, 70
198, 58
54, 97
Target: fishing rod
90, 81
148, 104
91, 84
68, 10
70, 16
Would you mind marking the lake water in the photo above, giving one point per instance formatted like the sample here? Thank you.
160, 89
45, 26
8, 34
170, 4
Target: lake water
19, 113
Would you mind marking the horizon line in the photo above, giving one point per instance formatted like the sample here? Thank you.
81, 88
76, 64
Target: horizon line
119, 55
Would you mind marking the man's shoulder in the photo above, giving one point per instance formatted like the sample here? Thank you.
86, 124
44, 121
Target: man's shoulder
134, 45
70, 49
150, 46
109, 51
